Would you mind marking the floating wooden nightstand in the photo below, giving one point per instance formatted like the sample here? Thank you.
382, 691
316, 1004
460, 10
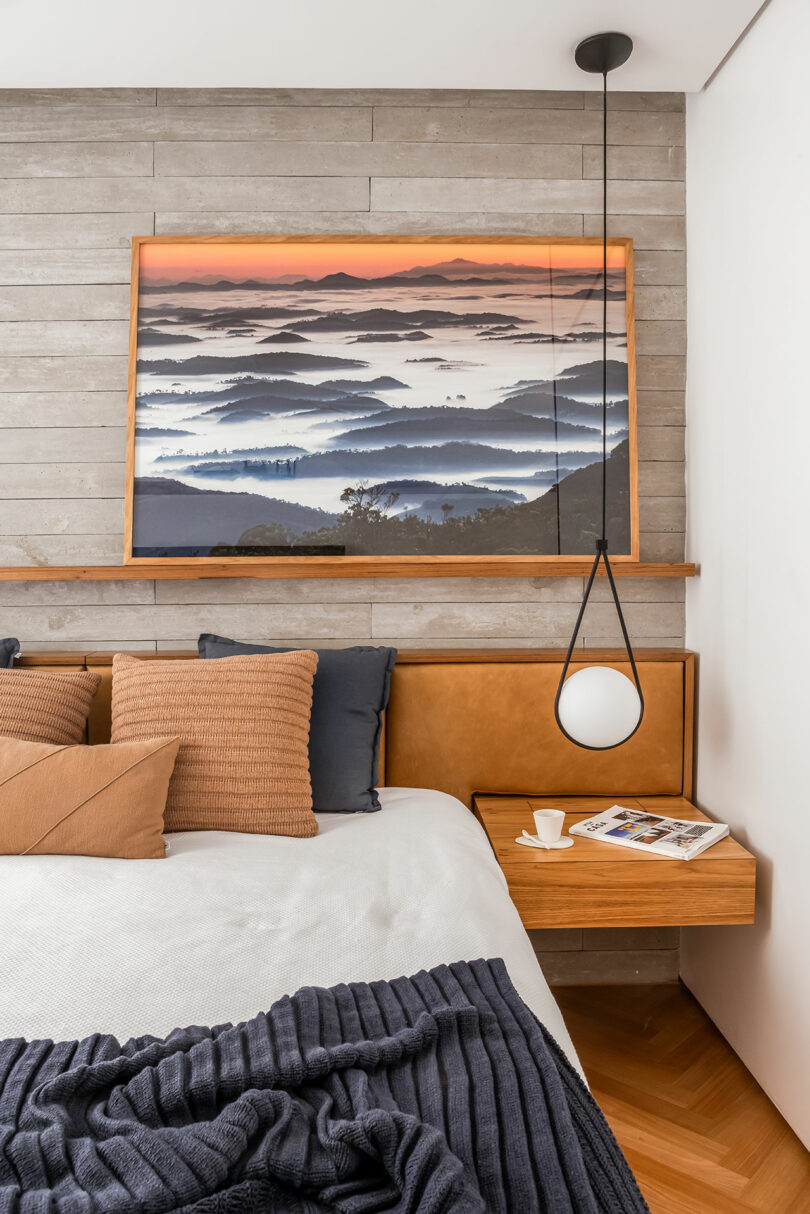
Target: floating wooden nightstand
602, 885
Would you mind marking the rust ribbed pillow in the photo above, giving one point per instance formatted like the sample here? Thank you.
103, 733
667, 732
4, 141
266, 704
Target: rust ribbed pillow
243, 725
84, 800
46, 705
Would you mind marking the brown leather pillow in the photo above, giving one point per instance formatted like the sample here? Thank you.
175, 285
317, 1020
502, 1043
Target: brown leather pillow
243, 725
46, 705
84, 800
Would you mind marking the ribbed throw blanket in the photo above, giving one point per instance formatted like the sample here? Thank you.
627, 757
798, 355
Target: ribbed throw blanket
437, 1094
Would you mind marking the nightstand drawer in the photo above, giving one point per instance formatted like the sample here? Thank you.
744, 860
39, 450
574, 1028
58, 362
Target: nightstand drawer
602, 885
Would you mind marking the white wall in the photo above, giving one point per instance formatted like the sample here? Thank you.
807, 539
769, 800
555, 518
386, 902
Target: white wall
748, 461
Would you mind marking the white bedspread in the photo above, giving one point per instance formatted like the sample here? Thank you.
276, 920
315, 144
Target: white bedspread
230, 922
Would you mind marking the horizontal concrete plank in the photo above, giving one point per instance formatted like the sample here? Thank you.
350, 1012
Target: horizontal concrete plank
372, 590
69, 97
437, 124
658, 478
76, 159
380, 223
663, 514
646, 231
662, 546
675, 102
91, 623
642, 590
660, 371
547, 196
660, 303
60, 550
661, 443
667, 163
545, 99
34, 409
654, 337
44, 445
654, 268
62, 480
62, 516
50, 374
517, 619
182, 193
661, 408
35, 338
66, 267
603, 966
72, 123
266, 159
78, 232
81, 302
75, 594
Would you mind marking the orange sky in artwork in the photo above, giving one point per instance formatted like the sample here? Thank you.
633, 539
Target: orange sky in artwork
258, 260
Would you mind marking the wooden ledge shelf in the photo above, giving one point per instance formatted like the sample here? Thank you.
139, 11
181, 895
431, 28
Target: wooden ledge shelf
312, 567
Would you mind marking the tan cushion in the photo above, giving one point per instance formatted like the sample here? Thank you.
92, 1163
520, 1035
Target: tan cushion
243, 725
84, 800
46, 705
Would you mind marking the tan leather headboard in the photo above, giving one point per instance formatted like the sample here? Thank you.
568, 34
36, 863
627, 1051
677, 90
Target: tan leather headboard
467, 721
484, 722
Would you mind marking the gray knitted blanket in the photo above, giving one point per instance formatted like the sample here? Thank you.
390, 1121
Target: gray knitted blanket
437, 1094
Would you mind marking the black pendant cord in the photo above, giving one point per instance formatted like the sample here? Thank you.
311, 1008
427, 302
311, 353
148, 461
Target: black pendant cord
554, 401
601, 543
604, 309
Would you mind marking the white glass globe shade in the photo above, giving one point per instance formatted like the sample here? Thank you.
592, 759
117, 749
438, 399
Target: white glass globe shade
599, 706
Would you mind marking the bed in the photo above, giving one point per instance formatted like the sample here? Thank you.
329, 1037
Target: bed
229, 923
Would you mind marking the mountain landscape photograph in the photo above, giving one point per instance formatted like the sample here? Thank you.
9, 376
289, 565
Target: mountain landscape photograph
362, 397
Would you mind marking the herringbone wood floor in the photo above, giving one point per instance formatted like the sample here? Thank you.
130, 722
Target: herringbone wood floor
697, 1130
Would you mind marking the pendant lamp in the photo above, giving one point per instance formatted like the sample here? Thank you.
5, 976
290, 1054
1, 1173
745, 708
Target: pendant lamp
598, 707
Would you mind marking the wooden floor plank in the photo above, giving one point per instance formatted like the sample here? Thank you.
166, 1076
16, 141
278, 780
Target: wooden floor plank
698, 1131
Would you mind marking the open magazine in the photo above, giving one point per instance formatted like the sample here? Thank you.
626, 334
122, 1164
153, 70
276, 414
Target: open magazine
673, 837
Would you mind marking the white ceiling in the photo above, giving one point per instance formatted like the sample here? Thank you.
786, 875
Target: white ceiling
480, 44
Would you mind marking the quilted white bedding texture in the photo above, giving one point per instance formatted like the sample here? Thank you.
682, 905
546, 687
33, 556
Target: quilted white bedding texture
228, 923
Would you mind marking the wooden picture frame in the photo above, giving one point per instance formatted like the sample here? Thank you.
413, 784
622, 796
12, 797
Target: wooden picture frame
365, 564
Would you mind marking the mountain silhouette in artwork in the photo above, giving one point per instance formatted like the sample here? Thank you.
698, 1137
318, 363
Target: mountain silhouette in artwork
221, 318
154, 337
271, 402
458, 271
329, 282
555, 339
583, 381
597, 293
441, 423
367, 525
282, 337
540, 402
270, 453
389, 320
411, 335
161, 432
400, 460
173, 519
242, 388
222, 364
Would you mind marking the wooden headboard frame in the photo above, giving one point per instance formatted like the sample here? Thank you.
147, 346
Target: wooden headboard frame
482, 720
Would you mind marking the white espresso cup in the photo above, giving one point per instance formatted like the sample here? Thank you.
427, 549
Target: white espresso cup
548, 824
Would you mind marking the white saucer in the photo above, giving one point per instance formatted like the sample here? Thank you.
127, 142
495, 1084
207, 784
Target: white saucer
535, 842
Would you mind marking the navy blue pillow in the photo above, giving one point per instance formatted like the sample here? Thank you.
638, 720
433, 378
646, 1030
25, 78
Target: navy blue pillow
9, 650
348, 697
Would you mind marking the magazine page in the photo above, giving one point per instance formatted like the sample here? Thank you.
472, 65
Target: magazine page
675, 837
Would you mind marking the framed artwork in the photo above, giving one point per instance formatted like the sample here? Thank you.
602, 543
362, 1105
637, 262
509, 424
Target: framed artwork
379, 405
